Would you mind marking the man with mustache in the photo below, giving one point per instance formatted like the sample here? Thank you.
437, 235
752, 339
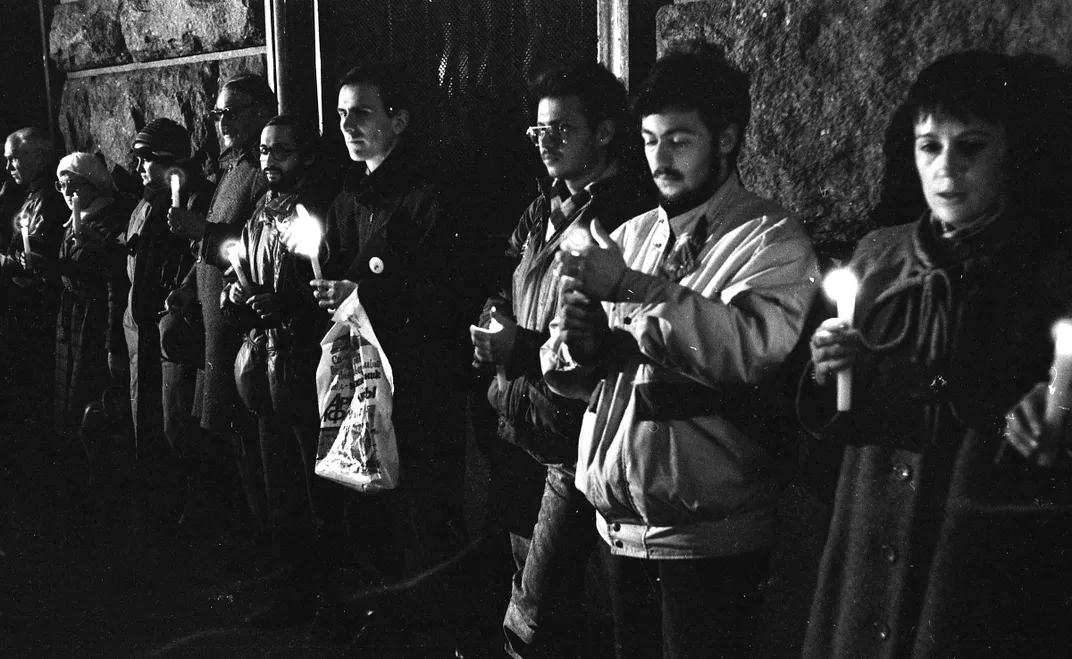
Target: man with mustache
582, 133
673, 328
244, 104
276, 368
392, 241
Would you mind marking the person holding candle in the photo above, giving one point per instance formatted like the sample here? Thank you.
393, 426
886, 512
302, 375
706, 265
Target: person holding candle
90, 265
275, 370
925, 556
673, 329
157, 261
585, 137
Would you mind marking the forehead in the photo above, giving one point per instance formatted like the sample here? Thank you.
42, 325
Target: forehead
564, 109
277, 135
11, 148
945, 123
229, 98
674, 121
361, 95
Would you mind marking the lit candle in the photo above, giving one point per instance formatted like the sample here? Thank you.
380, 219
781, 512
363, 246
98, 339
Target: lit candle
500, 370
24, 224
235, 254
1057, 399
175, 183
76, 214
305, 235
841, 286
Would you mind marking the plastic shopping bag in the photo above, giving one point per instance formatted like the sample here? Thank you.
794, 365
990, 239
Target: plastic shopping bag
355, 385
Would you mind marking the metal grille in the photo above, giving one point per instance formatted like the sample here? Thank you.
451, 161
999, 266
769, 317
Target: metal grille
469, 61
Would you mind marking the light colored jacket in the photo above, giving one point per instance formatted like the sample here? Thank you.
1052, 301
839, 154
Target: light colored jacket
669, 450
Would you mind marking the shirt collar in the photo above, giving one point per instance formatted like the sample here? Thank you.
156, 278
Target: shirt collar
685, 223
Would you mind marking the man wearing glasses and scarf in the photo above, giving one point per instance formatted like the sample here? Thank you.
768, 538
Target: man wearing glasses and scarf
244, 105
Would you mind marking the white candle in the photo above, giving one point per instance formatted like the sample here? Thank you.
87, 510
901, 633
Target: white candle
306, 235
1057, 400
24, 224
76, 214
235, 253
500, 370
841, 285
176, 202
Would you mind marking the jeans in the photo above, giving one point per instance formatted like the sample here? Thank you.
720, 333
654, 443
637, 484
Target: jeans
543, 618
685, 609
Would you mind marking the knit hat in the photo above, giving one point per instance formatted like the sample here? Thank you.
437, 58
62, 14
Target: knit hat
163, 141
89, 167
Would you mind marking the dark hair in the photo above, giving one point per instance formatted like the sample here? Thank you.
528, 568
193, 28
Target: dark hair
698, 77
305, 135
388, 77
252, 85
1018, 93
602, 95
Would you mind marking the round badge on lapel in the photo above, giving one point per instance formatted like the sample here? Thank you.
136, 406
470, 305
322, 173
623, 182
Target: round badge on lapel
375, 264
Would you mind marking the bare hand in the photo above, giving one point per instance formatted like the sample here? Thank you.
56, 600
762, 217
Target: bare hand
496, 347
1025, 424
331, 293
33, 261
187, 224
236, 293
598, 268
582, 321
181, 300
265, 305
835, 346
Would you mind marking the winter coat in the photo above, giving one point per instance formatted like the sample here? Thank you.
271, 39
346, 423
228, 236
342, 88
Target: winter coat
674, 452
530, 414
924, 557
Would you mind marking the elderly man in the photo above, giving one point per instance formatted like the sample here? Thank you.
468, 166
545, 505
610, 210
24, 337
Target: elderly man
702, 299
245, 103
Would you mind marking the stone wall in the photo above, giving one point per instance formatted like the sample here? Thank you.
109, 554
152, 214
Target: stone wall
103, 112
827, 74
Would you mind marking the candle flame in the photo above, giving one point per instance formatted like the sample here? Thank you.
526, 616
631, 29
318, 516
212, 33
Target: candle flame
305, 233
495, 326
234, 249
24, 222
841, 284
578, 240
176, 177
1062, 337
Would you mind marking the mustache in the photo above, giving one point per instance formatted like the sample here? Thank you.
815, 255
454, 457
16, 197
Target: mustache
668, 172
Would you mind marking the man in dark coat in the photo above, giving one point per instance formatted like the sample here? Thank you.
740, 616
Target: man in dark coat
390, 239
243, 106
582, 136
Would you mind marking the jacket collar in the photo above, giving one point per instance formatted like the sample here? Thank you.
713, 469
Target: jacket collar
392, 174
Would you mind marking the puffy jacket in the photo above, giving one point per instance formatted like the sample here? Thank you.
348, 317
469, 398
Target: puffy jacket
672, 453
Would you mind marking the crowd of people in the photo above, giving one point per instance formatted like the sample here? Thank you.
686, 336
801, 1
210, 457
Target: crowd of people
643, 337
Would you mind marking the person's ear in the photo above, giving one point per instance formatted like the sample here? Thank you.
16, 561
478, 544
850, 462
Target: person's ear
604, 132
728, 139
400, 121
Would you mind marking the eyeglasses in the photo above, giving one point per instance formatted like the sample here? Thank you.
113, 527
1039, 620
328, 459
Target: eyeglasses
277, 151
64, 186
230, 114
555, 133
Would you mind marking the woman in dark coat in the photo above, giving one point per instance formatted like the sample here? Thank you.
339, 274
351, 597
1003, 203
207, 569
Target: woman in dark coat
90, 264
934, 550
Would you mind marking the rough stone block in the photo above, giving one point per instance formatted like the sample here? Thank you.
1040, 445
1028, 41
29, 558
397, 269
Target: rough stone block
160, 29
103, 113
87, 35
827, 75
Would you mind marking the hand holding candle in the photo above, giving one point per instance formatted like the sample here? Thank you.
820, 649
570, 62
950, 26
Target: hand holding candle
236, 253
76, 214
24, 225
841, 286
306, 235
1058, 398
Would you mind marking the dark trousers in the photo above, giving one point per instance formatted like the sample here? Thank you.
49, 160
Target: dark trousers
544, 617
685, 609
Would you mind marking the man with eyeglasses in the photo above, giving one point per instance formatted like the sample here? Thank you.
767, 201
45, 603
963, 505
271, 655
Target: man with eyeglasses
243, 105
157, 262
283, 325
584, 139
674, 328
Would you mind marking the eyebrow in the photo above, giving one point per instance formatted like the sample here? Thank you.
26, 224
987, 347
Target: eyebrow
972, 132
669, 133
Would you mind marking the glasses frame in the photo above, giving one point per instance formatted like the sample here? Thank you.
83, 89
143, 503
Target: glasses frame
557, 133
229, 113
62, 187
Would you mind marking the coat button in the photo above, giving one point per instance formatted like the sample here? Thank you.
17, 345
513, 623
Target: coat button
617, 527
902, 472
882, 631
375, 264
889, 552
619, 544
